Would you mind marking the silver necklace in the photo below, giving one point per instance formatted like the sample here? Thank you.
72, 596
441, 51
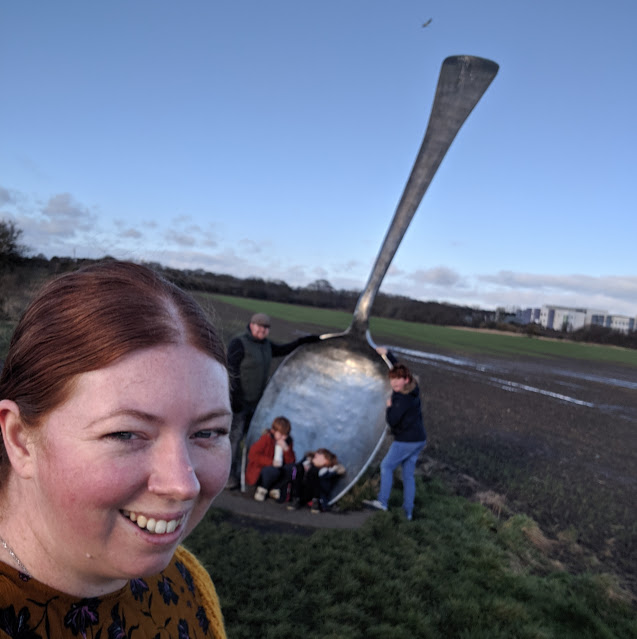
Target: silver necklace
15, 557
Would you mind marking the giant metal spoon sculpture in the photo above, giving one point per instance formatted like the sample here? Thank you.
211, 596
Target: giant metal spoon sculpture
334, 391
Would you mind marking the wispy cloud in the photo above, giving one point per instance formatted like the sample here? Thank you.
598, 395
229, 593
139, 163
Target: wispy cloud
438, 276
6, 197
57, 226
610, 286
250, 246
130, 233
181, 239
64, 226
510, 289
64, 216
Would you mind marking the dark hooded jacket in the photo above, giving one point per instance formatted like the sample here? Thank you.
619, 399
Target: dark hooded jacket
404, 416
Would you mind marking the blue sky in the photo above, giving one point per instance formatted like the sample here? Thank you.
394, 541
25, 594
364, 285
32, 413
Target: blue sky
274, 139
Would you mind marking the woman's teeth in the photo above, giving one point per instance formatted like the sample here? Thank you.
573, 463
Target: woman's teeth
157, 526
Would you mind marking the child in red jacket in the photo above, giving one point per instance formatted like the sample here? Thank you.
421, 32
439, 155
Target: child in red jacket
267, 459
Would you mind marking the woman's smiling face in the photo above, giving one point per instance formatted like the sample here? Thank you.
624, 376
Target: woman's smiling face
140, 446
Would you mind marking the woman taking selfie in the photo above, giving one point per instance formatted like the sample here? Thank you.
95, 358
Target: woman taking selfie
115, 413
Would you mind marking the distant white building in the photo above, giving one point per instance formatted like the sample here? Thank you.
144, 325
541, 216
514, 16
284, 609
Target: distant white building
621, 323
562, 318
568, 319
528, 316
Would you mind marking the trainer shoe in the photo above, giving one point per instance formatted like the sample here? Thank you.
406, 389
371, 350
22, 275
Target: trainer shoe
275, 493
375, 504
315, 508
260, 493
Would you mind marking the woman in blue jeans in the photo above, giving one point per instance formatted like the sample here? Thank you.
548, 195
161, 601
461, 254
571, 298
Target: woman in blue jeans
404, 418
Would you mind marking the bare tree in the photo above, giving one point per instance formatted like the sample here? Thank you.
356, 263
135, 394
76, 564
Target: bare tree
10, 247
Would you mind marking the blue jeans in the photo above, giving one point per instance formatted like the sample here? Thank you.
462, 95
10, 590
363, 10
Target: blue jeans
405, 454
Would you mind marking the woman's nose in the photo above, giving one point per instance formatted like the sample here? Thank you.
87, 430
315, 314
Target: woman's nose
173, 474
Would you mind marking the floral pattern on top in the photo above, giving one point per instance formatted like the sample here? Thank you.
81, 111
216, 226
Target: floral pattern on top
165, 606
82, 615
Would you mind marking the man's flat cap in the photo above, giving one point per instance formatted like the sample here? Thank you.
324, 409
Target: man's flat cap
261, 319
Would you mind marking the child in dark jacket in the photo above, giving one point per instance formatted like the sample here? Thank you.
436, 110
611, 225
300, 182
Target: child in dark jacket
404, 418
313, 478
269, 458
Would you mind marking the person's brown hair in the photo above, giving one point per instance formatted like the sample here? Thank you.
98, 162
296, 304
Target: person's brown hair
282, 424
329, 455
400, 370
87, 319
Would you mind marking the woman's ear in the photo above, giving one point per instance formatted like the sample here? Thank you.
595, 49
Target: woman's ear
17, 439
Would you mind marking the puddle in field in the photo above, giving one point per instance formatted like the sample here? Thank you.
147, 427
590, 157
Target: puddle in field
611, 381
489, 374
514, 386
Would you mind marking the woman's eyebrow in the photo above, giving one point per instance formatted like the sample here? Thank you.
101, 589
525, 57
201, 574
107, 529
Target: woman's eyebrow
156, 419
213, 414
128, 412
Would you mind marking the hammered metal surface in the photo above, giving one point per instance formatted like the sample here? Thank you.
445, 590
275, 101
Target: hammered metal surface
334, 393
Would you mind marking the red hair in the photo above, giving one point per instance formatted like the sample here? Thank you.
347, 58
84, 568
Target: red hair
87, 319
400, 370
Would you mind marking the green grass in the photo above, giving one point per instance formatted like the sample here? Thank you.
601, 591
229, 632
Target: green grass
463, 341
441, 337
337, 320
455, 571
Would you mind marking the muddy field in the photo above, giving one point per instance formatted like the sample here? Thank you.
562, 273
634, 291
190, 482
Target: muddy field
556, 439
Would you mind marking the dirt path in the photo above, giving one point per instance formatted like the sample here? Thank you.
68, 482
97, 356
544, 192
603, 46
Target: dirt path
269, 516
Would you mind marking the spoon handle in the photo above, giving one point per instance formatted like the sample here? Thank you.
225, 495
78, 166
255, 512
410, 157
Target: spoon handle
462, 82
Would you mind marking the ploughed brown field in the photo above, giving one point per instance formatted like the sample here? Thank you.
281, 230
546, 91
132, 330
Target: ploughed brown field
555, 439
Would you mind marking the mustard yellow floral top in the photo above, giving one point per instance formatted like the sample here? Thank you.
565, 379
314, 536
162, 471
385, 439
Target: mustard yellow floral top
178, 603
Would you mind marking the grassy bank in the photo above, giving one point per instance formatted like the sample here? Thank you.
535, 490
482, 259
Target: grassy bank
455, 571
440, 337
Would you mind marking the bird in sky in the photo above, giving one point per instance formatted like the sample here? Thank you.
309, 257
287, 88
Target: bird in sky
426, 24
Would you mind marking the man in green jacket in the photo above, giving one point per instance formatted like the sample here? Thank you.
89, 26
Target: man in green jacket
249, 358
